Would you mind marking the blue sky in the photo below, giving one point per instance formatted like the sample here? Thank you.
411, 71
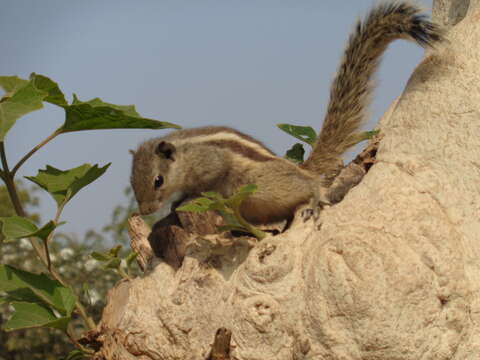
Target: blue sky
244, 64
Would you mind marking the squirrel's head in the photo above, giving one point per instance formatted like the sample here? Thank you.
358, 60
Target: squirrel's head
155, 177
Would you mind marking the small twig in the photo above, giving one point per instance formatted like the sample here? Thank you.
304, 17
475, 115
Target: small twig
69, 333
221, 345
34, 150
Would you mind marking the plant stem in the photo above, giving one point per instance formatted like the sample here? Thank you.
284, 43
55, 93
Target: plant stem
122, 273
8, 179
50, 237
259, 234
37, 246
34, 150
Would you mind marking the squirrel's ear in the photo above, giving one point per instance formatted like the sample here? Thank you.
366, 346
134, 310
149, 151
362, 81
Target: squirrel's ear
165, 149
131, 152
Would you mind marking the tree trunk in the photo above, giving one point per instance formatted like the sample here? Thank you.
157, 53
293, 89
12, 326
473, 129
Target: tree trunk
391, 272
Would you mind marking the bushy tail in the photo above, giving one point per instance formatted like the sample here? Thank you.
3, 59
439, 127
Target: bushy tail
353, 84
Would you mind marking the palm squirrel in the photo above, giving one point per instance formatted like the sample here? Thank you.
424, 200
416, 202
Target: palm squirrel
187, 162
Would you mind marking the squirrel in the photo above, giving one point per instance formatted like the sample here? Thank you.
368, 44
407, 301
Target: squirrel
186, 162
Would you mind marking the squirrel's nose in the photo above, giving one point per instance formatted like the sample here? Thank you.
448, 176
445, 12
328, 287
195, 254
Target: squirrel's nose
147, 208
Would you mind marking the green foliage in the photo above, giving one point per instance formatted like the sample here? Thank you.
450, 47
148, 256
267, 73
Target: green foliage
35, 297
307, 134
21, 98
96, 114
17, 227
29, 315
296, 153
24, 96
69, 256
303, 133
24, 286
112, 259
228, 208
64, 184
39, 300
54, 94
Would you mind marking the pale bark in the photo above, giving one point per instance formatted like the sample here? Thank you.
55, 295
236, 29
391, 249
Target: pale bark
391, 272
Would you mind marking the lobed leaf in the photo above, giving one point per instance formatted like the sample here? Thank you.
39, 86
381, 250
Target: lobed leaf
64, 184
22, 97
54, 94
304, 133
30, 315
96, 114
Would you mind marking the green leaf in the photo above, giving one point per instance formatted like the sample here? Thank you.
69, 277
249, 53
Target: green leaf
191, 207
48, 291
96, 114
21, 98
17, 227
22, 294
244, 192
64, 184
248, 189
212, 195
28, 315
100, 256
11, 84
229, 209
115, 250
201, 204
296, 153
303, 133
55, 95
129, 259
113, 263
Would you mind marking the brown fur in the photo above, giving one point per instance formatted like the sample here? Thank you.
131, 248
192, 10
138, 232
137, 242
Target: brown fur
222, 159
350, 94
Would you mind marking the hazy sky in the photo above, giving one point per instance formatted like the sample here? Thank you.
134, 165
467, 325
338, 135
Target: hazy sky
245, 64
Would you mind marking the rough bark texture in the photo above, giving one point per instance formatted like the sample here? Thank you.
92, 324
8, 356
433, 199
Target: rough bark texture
391, 272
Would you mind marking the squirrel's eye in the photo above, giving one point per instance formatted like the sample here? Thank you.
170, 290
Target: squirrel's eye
158, 181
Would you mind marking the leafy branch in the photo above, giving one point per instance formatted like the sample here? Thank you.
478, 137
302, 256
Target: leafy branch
113, 261
47, 300
228, 208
